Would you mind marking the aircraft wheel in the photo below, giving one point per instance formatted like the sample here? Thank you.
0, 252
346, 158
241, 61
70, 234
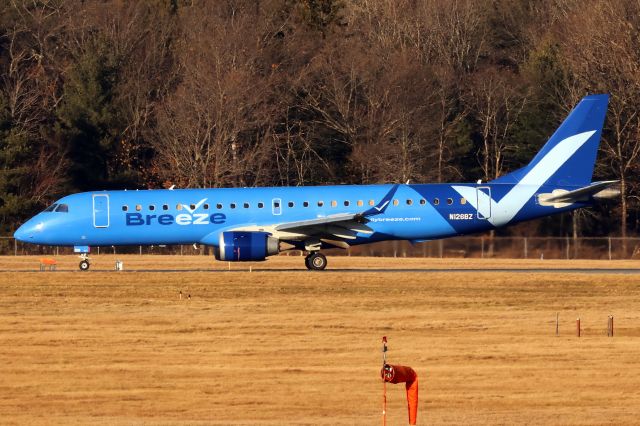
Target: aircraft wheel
84, 265
316, 261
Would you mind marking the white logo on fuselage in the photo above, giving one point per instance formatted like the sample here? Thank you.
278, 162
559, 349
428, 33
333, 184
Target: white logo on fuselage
500, 213
382, 206
196, 207
193, 218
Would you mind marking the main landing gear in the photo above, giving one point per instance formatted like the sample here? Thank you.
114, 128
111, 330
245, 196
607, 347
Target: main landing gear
84, 262
316, 261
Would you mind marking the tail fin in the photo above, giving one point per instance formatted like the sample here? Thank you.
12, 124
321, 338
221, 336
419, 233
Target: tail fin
568, 158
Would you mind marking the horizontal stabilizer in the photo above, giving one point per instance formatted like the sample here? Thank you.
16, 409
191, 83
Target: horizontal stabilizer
562, 198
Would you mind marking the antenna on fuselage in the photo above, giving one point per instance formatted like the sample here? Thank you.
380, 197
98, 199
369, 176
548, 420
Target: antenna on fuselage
171, 187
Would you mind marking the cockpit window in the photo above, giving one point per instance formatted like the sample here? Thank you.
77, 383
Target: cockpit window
62, 208
51, 208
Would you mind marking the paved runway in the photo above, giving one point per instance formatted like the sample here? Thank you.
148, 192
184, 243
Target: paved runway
236, 269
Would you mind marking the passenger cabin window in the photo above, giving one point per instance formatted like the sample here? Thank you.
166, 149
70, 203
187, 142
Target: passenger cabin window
436, 201
165, 207
423, 201
62, 208
246, 205
138, 207
372, 203
396, 202
219, 206
205, 206
320, 203
291, 204
192, 206
261, 205
346, 203
463, 201
409, 202
178, 206
51, 208
125, 208
334, 203
276, 204
449, 201
232, 205
360, 203
152, 207
305, 204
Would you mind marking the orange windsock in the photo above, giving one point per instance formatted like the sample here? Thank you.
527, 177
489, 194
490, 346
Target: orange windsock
401, 374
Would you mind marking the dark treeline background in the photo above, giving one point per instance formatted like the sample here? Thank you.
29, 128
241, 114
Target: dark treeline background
146, 94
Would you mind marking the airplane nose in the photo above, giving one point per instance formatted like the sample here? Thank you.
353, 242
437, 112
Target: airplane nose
22, 234
26, 232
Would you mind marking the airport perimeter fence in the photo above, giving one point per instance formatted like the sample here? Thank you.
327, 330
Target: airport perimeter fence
460, 247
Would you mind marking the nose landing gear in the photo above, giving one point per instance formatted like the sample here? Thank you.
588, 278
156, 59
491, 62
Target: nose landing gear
84, 262
315, 261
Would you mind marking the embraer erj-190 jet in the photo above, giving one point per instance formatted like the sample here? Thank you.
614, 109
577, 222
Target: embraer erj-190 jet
250, 224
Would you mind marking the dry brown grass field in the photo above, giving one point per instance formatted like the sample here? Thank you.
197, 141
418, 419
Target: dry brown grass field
298, 347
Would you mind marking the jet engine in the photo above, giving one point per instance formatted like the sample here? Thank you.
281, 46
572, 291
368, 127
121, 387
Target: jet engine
242, 246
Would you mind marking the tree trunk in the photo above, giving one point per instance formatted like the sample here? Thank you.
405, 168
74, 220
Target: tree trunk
623, 213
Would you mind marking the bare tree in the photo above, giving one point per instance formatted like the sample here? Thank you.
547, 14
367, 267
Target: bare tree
30, 83
450, 114
602, 50
498, 102
217, 121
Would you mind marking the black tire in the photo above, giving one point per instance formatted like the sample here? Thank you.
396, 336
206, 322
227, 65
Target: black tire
316, 261
84, 265
306, 261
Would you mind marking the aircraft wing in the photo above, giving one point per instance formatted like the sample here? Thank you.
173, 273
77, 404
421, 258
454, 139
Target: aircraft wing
321, 221
336, 230
340, 227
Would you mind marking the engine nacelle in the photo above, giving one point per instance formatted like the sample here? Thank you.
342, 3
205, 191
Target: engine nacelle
239, 246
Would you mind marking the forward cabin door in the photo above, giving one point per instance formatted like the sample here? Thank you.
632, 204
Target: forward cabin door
101, 210
483, 202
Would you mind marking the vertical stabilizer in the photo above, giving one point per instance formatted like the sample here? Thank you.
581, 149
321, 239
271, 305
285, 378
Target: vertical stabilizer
568, 158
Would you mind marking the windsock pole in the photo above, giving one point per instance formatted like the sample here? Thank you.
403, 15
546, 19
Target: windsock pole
384, 382
399, 374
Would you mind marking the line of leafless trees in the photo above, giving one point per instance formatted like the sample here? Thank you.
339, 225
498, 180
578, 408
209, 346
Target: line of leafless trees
113, 94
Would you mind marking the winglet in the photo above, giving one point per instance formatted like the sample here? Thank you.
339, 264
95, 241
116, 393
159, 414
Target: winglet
383, 204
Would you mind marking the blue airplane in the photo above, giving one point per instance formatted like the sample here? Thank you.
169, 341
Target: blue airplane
250, 224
